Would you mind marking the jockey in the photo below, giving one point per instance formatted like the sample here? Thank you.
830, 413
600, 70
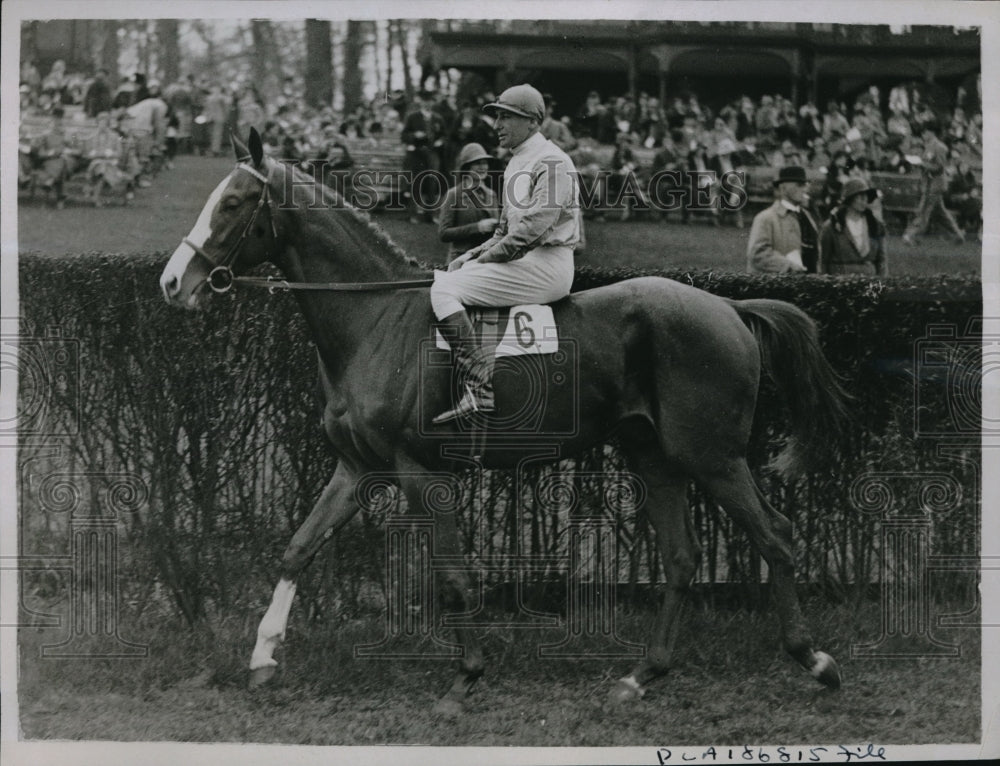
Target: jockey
529, 258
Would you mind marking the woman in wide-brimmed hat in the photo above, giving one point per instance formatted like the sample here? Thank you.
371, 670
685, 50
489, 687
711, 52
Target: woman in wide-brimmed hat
852, 241
470, 211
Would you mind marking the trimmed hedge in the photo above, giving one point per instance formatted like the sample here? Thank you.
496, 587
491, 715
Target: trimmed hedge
216, 415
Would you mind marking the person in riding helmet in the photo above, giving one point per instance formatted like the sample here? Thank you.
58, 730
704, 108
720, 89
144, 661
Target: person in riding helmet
529, 258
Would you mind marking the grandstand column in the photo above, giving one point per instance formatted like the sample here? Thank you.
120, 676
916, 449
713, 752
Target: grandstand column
663, 55
796, 75
633, 76
930, 71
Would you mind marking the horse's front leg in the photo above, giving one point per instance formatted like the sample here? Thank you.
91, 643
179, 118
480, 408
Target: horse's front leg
335, 507
453, 593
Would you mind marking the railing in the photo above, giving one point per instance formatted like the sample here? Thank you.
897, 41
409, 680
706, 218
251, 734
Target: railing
845, 34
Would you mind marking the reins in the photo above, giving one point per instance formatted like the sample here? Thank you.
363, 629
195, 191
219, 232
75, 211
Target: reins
221, 278
274, 285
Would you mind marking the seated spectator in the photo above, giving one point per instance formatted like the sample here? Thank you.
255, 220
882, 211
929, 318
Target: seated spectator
124, 95
720, 132
54, 84
767, 124
787, 154
974, 134
589, 116
667, 179
746, 120
52, 158
98, 97
555, 130
32, 79
726, 198
818, 157
896, 162
836, 176
108, 171
957, 126
592, 179
624, 184
835, 125
897, 129
810, 125
788, 122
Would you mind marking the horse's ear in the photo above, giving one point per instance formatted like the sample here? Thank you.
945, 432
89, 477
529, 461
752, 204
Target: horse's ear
239, 147
256, 147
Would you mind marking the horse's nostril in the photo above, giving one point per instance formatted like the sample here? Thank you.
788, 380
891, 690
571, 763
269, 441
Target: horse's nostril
170, 286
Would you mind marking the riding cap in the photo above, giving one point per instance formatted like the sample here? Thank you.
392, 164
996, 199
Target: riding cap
855, 186
471, 153
791, 174
522, 100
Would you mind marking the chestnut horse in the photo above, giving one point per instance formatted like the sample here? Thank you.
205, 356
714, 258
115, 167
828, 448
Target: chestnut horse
671, 370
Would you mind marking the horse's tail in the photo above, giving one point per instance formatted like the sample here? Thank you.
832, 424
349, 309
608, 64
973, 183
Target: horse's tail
792, 357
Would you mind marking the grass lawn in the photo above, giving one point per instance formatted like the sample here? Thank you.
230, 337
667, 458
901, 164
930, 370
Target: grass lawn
164, 213
733, 686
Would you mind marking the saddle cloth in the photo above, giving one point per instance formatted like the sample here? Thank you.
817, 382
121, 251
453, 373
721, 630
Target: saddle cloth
514, 330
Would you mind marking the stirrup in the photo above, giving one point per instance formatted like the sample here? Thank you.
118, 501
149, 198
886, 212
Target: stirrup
469, 403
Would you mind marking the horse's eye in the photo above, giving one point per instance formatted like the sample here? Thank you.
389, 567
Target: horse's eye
230, 202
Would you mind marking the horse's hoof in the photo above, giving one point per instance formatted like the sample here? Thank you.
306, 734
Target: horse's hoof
449, 707
260, 676
627, 691
826, 671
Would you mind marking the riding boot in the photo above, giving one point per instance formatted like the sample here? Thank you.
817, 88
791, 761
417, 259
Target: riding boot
475, 368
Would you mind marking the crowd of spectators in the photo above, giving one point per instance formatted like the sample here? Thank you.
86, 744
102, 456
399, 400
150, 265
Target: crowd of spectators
871, 134
838, 142
114, 138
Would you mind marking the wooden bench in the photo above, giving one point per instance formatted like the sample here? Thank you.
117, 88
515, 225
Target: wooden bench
377, 166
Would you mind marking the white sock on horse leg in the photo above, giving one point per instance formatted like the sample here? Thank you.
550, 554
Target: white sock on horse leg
271, 631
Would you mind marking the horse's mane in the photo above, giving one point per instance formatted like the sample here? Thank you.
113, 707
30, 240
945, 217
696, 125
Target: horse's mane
335, 201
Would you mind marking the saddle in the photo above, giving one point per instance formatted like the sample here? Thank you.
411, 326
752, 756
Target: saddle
512, 330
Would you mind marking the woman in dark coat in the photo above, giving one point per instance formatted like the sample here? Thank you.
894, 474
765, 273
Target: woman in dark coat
471, 211
852, 241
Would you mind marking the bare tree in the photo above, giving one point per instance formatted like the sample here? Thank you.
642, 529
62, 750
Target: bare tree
404, 28
265, 61
390, 40
169, 49
319, 63
371, 43
353, 46
109, 49
424, 56
206, 31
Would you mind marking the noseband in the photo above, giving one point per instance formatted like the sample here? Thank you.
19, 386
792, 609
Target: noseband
220, 278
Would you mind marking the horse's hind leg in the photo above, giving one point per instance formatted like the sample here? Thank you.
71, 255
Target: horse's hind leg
335, 507
667, 508
733, 487
453, 588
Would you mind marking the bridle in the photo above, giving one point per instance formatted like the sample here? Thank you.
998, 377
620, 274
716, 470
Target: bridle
221, 278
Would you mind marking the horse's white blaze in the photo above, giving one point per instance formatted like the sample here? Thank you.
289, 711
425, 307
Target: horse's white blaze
271, 631
172, 279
